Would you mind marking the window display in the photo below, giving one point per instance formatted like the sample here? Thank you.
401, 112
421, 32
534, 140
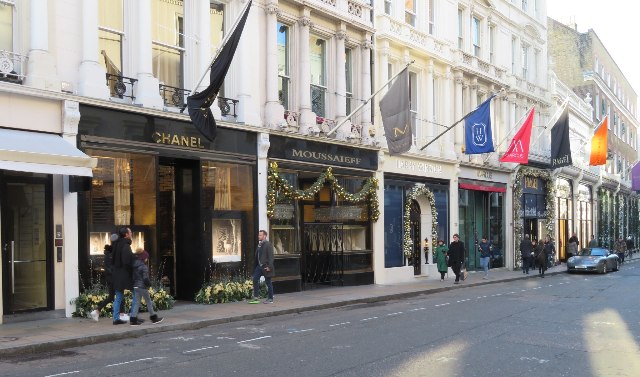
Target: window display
226, 239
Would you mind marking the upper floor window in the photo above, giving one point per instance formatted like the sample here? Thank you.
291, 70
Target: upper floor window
513, 55
413, 101
216, 16
460, 29
525, 6
318, 51
284, 77
110, 35
475, 32
534, 69
525, 61
432, 17
410, 12
492, 44
6, 26
387, 6
348, 70
167, 34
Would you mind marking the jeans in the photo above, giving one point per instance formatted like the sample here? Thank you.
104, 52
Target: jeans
256, 283
484, 262
116, 305
139, 293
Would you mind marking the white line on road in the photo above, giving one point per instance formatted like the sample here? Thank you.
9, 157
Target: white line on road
446, 303
340, 324
200, 349
62, 374
297, 331
416, 309
368, 319
396, 313
134, 361
251, 340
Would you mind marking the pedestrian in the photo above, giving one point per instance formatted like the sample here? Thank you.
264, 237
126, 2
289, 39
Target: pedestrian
526, 248
630, 246
121, 270
573, 247
547, 254
593, 243
538, 255
264, 267
456, 256
620, 247
532, 259
426, 250
486, 253
108, 261
141, 285
441, 258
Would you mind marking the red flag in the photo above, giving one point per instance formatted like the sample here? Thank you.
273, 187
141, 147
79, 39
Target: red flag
518, 150
599, 144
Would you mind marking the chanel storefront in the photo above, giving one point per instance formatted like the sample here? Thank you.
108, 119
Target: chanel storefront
189, 202
321, 208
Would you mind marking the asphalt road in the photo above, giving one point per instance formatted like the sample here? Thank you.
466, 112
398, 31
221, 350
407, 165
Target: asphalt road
563, 325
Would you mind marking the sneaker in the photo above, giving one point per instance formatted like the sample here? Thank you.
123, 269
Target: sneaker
268, 301
119, 322
254, 301
155, 319
124, 317
94, 315
485, 277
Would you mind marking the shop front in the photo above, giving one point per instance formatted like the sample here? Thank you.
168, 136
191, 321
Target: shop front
322, 203
416, 215
482, 209
189, 202
564, 218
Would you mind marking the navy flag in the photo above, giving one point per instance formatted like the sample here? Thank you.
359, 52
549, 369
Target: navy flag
560, 144
199, 104
477, 129
396, 119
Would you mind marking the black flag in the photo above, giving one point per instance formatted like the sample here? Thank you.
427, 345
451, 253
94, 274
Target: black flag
396, 119
199, 104
560, 144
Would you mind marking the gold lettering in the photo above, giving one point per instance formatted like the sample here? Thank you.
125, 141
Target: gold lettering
193, 141
166, 138
175, 140
184, 141
530, 182
397, 131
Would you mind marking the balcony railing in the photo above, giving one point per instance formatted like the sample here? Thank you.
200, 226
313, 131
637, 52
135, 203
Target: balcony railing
228, 106
318, 100
121, 86
173, 96
12, 67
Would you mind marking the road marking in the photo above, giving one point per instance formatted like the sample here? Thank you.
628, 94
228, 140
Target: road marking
540, 361
297, 331
368, 319
445, 359
63, 374
604, 323
134, 361
225, 337
181, 338
442, 304
340, 324
396, 313
251, 340
416, 309
523, 290
512, 293
200, 349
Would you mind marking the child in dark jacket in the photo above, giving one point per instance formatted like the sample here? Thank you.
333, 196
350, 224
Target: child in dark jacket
141, 284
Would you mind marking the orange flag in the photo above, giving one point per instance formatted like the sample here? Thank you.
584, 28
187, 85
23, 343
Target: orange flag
599, 144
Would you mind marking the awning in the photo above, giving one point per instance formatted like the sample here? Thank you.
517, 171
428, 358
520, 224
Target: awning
471, 184
38, 152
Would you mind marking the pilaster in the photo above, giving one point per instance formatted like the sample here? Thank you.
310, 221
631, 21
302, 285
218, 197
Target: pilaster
92, 80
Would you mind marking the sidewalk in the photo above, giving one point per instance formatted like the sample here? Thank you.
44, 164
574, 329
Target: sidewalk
51, 334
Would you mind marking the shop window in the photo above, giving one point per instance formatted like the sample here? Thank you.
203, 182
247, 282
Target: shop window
393, 225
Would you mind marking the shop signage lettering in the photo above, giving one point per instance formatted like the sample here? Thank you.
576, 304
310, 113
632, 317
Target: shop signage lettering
485, 174
530, 182
173, 139
320, 156
419, 166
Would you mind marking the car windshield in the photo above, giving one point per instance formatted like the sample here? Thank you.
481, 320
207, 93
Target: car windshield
594, 252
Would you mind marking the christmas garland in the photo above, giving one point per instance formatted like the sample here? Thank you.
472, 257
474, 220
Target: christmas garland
550, 205
277, 184
416, 191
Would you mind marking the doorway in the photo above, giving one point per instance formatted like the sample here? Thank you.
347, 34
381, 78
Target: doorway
26, 244
414, 228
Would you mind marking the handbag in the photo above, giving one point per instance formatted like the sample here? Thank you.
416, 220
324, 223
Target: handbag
463, 273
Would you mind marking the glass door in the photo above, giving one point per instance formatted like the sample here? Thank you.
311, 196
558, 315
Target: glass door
25, 234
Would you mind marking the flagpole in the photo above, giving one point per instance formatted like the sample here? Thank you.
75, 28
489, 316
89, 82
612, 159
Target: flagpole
343, 121
508, 133
224, 41
460, 120
553, 119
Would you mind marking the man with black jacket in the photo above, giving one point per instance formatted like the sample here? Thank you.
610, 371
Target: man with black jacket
121, 271
526, 249
456, 256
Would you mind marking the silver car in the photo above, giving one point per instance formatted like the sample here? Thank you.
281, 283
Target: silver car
594, 259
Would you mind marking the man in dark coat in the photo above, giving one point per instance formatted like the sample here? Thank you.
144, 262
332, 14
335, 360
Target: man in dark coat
526, 249
456, 256
121, 271
264, 267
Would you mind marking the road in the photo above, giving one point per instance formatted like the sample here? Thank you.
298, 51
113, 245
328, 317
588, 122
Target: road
562, 325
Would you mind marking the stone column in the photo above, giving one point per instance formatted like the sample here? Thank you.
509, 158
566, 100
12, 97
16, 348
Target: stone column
365, 49
274, 111
307, 119
448, 142
434, 130
457, 105
245, 71
379, 270
383, 72
263, 166
92, 81
473, 86
147, 90
41, 67
341, 84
